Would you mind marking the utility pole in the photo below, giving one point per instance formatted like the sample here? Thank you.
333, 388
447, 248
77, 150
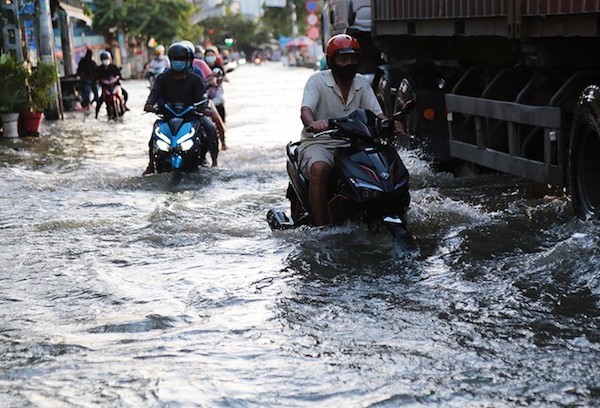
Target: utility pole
294, 18
46, 53
66, 39
122, 49
46, 34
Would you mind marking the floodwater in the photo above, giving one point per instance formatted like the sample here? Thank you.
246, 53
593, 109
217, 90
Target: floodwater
120, 290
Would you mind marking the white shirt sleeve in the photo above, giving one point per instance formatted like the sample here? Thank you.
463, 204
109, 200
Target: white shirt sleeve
311, 95
369, 100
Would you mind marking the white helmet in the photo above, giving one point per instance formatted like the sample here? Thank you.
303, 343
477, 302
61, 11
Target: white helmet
189, 45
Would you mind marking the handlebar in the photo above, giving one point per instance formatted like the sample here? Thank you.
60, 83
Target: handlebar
197, 108
381, 126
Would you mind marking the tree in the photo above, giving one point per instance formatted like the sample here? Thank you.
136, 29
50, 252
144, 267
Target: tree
246, 34
278, 20
163, 20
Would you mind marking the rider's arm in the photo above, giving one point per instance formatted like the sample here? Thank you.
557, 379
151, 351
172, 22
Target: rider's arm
311, 98
154, 95
308, 120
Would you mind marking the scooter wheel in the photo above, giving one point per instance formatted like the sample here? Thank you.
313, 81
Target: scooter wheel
117, 109
110, 110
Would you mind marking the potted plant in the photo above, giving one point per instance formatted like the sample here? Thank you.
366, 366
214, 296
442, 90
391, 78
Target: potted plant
40, 81
13, 94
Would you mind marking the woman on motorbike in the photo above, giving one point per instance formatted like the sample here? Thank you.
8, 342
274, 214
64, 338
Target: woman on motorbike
202, 69
216, 79
105, 71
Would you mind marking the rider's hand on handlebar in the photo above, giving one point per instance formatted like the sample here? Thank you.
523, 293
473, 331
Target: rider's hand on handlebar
148, 108
319, 125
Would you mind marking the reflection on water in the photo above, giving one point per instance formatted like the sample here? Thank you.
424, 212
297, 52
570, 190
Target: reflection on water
120, 290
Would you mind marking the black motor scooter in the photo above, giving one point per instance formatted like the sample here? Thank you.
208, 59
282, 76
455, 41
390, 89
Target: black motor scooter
369, 182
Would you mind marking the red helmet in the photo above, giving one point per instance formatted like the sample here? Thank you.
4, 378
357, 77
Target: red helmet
342, 44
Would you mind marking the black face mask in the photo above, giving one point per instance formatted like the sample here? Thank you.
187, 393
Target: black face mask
345, 73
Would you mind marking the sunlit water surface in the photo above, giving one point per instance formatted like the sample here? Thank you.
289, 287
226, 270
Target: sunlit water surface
119, 290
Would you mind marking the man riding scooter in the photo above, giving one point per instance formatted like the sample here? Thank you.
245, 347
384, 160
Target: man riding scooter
327, 95
178, 85
157, 65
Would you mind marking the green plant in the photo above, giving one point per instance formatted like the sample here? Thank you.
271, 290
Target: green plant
40, 81
13, 89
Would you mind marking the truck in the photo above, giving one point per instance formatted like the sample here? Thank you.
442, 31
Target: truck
509, 85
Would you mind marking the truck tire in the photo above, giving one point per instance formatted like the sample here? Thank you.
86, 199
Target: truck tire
384, 95
385, 85
584, 149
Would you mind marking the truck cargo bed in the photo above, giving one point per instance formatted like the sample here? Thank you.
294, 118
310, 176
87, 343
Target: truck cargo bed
512, 19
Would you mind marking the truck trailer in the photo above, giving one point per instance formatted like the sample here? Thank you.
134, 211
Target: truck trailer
510, 85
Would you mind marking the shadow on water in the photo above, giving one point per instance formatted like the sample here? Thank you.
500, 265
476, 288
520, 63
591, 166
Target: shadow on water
169, 182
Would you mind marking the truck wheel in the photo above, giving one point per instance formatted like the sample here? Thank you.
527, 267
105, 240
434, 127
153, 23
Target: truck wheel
409, 120
584, 148
383, 92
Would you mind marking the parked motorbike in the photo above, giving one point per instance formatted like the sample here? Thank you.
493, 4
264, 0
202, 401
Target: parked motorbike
177, 137
112, 95
369, 182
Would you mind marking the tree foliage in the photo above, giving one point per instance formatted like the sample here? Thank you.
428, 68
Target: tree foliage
163, 20
278, 20
247, 34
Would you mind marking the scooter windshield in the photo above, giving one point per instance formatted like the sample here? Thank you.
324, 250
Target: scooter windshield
360, 122
178, 109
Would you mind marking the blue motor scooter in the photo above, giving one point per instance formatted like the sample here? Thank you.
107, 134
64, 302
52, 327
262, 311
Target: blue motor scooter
177, 137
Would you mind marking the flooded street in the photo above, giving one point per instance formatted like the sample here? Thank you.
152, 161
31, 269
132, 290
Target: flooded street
131, 291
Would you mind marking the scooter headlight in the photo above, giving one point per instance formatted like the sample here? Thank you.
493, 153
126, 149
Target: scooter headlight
186, 142
162, 145
367, 191
187, 145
